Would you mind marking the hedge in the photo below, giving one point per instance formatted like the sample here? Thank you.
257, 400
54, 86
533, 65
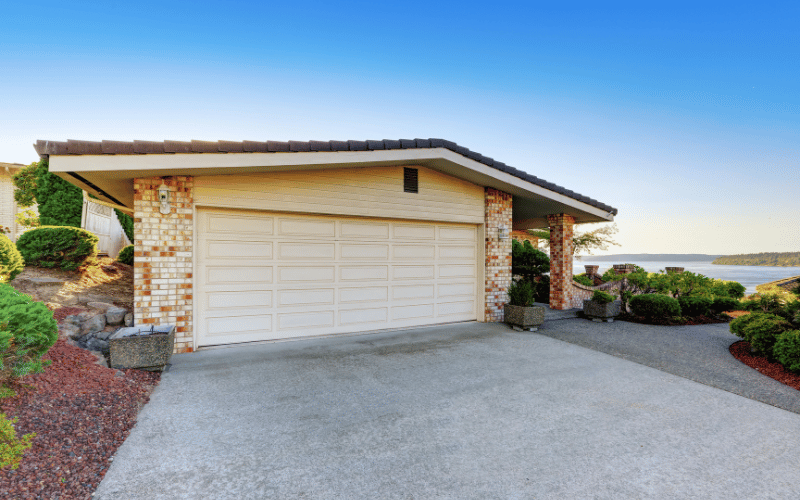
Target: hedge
723, 304
58, 246
787, 350
11, 262
694, 306
653, 305
763, 332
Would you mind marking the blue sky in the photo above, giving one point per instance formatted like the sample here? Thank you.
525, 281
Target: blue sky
683, 115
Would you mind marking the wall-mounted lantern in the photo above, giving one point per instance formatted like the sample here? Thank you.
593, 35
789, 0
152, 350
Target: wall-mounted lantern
163, 198
502, 232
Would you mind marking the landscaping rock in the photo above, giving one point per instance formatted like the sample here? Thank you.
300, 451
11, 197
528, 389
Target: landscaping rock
129, 319
94, 324
102, 306
70, 330
115, 315
105, 334
73, 320
97, 345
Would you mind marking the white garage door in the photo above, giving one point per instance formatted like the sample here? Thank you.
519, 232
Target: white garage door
264, 276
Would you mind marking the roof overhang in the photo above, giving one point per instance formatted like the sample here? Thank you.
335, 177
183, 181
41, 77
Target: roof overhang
110, 177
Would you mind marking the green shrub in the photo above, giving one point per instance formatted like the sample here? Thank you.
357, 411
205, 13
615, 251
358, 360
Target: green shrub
738, 325
56, 246
27, 331
59, 202
583, 280
602, 297
735, 289
126, 255
654, 305
750, 305
723, 304
695, 306
11, 263
126, 221
527, 261
787, 350
763, 331
12, 447
521, 293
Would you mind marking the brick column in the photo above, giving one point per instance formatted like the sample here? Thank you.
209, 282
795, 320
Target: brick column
162, 269
497, 206
560, 260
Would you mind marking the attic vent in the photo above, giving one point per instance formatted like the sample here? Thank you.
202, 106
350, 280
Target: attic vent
410, 180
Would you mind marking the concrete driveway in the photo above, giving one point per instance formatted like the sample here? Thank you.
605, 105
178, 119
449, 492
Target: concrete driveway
463, 411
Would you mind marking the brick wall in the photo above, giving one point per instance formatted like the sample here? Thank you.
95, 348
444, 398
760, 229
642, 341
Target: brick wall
498, 253
164, 257
561, 230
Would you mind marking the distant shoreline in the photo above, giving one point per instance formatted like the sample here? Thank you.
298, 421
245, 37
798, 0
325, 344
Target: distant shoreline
624, 258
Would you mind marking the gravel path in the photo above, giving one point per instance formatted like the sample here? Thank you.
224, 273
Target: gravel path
698, 353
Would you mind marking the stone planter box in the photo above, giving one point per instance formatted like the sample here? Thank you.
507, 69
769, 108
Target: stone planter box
142, 347
524, 317
602, 312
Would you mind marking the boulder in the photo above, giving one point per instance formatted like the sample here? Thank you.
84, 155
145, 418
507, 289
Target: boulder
102, 306
115, 315
129, 319
97, 345
105, 334
72, 320
70, 330
94, 324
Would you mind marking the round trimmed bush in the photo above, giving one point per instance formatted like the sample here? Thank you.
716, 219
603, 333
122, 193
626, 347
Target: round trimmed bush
11, 263
653, 305
723, 304
787, 350
695, 306
763, 332
126, 255
27, 331
738, 325
58, 246
602, 297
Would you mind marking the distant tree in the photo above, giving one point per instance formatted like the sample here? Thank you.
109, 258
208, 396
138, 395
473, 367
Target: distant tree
25, 194
584, 243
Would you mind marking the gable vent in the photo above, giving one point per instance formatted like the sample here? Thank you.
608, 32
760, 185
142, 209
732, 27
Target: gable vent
410, 180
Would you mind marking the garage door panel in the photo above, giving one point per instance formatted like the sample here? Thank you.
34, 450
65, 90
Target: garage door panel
317, 297
225, 300
306, 319
415, 252
372, 230
238, 250
364, 294
309, 274
413, 272
361, 316
265, 276
306, 227
218, 275
363, 251
363, 273
238, 224
306, 250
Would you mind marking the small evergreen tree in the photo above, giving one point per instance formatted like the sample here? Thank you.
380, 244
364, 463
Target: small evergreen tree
60, 203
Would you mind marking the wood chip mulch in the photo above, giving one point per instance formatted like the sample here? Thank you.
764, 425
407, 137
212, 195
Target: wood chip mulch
81, 413
741, 351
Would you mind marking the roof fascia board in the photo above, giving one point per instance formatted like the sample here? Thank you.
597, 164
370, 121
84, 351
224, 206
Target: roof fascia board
160, 163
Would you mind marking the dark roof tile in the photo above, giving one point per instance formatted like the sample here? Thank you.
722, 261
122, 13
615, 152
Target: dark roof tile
84, 147
299, 146
339, 146
408, 143
117, 147
205, 147
423, 143
278, 147
177, 147
230, 147
319, 145
375, 145
148, 147
390, 144
254, 147
357, 145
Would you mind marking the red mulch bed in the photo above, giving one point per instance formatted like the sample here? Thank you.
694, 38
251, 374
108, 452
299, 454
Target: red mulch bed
741, 351
81, 413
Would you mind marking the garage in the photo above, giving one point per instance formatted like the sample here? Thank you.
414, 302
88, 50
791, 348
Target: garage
271, 275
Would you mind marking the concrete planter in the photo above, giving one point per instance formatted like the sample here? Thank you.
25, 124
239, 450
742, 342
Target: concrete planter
602, 312
141, 347
524, 317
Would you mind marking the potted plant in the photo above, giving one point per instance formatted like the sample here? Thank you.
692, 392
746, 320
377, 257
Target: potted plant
520, 312
602, 307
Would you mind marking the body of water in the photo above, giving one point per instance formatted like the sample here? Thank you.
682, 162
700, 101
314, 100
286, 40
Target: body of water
749, 276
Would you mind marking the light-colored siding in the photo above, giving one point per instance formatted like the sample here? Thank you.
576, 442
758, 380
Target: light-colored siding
8, 207
364, 192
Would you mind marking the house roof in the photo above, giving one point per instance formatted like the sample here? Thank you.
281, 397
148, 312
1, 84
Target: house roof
73, 147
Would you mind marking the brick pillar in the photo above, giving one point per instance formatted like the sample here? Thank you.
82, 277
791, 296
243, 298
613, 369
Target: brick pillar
162, 269
560, 260
498, 252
